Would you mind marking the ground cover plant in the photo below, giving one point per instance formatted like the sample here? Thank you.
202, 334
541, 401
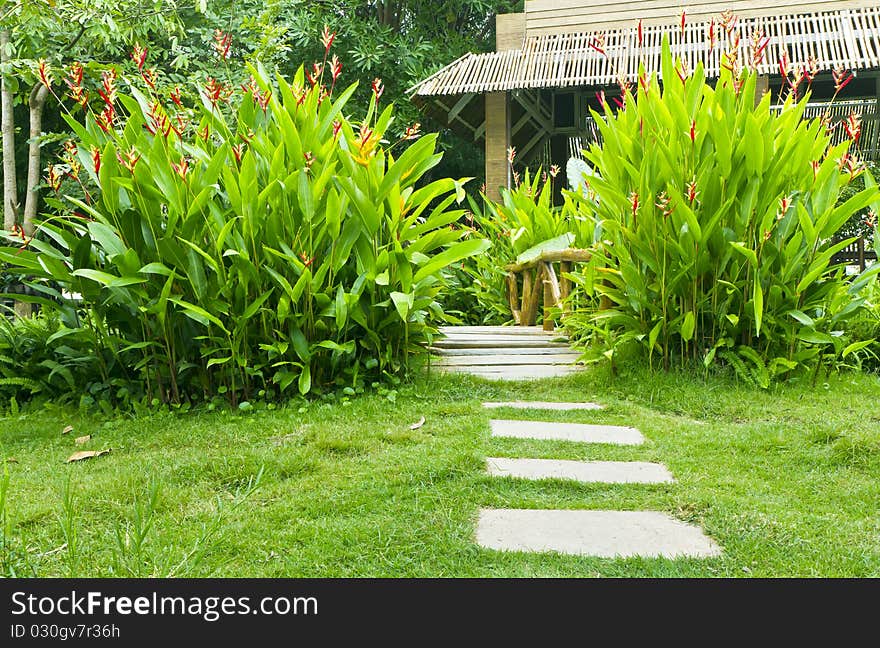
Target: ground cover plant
258, 244
784, 480
718, 224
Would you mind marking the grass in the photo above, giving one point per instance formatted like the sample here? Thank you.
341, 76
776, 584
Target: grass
786, 481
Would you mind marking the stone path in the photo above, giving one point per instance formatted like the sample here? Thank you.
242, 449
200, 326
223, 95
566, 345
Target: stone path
606, 534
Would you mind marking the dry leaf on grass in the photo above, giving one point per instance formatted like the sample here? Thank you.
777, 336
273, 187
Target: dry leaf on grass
11, 460
83, 439
417, 424
67, 430
86, 454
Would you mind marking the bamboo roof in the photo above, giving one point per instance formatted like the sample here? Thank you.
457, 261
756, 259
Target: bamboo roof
842, 38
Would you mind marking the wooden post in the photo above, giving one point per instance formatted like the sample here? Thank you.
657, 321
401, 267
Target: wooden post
762, 86
513, 297
861, 244
552, 295
526, 296
497, 143
530, 308
564, 284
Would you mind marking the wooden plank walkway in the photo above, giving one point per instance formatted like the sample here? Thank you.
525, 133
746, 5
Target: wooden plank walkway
504, 352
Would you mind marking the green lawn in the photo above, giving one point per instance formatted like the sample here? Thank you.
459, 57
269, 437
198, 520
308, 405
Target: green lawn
787, 481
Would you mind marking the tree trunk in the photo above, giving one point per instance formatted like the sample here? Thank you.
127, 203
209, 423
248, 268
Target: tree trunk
32, 194
7, 126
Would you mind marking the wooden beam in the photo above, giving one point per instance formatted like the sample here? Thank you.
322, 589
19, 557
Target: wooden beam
575, 255
530, 309
513, 296
459, 106
497, 143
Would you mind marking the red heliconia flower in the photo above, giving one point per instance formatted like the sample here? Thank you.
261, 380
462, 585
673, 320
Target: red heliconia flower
692, 193
644, 81
871, 219
683, 18
222, 44
767, 235
181, 168
129, 160
554, 171
728, 21
682, 70
175, 97
663, 204
784, 65
216, 91
816, 165
327, 39
511, 154
811, 69
337, 126
784, 204
96, 159
250, 87
309, 158
412, 132
634, 202
853, 126
378, 88
307, 261
150, 77
263, 99
516, 178
335, 67
108, 86
53, 179
70, 150
693, 131
640, 33
842, 78
139, 56
158, 121
598, 44
105, 118
365, 134
600, 95
712, 35
758, 46
182, 124
74, 81
238, 151
45, 73
620, 102
204, 132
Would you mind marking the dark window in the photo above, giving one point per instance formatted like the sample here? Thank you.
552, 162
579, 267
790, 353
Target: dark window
563, 111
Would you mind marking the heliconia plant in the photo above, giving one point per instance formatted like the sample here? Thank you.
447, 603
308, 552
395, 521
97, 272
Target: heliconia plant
262, 240
718, 219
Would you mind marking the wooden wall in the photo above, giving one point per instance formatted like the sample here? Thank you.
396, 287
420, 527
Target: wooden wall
561, 16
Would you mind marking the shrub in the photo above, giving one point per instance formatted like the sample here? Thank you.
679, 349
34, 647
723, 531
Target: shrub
276, 245
718, 220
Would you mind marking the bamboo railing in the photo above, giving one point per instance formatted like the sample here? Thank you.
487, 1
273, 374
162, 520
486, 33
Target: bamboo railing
538, 278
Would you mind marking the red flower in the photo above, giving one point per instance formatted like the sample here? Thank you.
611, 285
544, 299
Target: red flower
222, 44
412, 132
53, 179
337, 126
598, 44
853, 127
600, 95
96, 159
108, 87
237, 151
712, 34
150, 77
139, 56
305, 259
511, 155
683, 15
634, 202
841, 78
692, 192
263, 99
335, 67
693, 131
204, 132
175, 97
45, 73
105, 118
640, 33
74, 81
129, 160
378, 88
216, 91
181, 168
554, 171
327, 39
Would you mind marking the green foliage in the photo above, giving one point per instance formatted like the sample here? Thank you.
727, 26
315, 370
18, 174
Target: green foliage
718, 221
271, 246
523, 224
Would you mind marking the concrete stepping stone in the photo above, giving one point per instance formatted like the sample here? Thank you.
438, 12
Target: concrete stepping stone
605, 534
545, 405
584, 433
608, 472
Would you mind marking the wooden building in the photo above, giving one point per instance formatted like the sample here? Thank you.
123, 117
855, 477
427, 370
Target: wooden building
534, 91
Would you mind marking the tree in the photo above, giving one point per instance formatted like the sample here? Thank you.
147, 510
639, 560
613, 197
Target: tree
60, 31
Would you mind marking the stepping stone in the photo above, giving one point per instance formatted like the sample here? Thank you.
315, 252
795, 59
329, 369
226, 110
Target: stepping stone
514, 372
543, 405
584, 433
608, 472
606, 534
